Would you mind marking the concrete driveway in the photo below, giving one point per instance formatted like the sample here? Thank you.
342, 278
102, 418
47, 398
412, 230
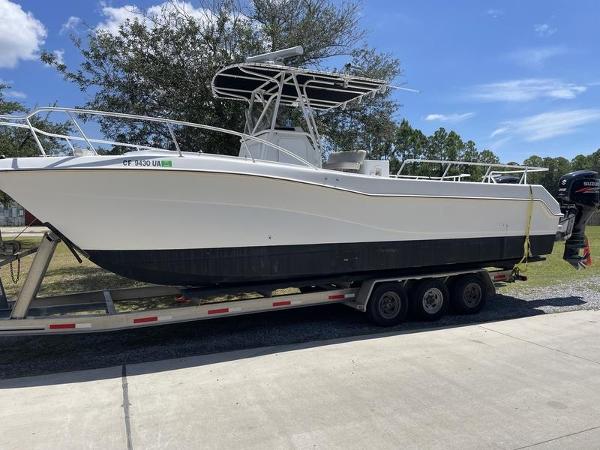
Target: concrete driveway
527, 382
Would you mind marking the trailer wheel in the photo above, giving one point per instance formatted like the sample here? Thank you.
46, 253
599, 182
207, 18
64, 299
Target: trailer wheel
429, 299
388, 304
469, 294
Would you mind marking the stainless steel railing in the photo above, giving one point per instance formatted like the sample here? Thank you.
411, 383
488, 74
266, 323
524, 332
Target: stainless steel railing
25, 123
491, 170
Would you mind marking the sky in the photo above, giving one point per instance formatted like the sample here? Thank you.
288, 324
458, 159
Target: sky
517, 77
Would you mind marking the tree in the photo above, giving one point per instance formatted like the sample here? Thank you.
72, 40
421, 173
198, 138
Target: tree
161, 64
557, 167
324, 29
580, 162
19, 142
367, 125
410, 143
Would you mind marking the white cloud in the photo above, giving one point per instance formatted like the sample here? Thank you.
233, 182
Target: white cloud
544, 30
536, 57
21, 35
202, 15
497, 144
527, 90
115, 17
548, 125
453, 118
11, 93
71, 24
494, 13
499, 131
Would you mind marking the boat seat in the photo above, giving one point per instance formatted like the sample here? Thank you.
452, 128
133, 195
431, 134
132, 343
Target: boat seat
343, 161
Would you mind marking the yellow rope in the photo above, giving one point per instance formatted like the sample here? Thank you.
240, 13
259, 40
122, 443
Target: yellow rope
526, 244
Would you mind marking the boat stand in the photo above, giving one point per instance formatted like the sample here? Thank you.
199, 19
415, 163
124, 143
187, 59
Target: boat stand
10, 251
36, 274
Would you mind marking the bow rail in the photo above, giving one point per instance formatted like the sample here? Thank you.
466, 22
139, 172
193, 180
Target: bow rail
25, 122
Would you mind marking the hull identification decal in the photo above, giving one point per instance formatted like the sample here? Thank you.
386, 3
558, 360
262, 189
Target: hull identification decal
147, 163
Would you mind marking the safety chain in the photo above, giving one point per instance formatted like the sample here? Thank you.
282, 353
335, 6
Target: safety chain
13, 277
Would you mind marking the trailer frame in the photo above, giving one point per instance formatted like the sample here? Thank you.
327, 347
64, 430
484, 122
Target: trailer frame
95, 311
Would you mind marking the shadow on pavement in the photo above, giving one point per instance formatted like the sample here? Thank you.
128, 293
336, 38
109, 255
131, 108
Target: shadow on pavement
221, 340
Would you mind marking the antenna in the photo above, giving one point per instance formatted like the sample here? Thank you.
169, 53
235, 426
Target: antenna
277, 56
401, 88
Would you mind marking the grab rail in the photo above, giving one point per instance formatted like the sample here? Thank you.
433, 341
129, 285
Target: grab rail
489, 176
13, 121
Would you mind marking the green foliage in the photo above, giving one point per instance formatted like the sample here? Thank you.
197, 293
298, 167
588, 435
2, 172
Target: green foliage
162, 65
19, 142
559, 166
555, 271
367, 125
323, 28
410, 143
6, 106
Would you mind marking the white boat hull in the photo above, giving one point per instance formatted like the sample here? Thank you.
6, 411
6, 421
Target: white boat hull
210, 220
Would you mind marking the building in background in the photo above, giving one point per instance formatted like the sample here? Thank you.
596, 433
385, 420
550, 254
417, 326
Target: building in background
12, 215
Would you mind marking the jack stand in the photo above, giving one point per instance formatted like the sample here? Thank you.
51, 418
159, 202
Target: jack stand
10, 251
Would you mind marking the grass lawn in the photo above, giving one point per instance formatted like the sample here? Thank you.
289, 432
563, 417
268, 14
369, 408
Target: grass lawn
65, 274
555, 270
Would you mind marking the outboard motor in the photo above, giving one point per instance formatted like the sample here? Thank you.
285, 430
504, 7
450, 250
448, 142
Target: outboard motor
579, 198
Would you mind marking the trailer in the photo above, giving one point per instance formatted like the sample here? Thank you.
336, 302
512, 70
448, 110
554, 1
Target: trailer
385, 299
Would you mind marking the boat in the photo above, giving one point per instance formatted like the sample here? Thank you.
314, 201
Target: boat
276, 212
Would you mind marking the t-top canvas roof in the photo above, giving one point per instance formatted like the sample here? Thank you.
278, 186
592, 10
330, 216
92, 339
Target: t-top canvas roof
321, 90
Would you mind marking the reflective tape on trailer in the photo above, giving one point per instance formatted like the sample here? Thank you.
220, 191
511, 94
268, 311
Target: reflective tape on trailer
182, 314
342, 296
149, 319
280, 303
212, 312
68, 326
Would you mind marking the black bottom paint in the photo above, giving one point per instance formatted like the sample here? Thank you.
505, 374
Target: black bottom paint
247, 265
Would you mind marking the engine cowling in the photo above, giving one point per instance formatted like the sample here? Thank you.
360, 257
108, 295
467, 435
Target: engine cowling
579, 198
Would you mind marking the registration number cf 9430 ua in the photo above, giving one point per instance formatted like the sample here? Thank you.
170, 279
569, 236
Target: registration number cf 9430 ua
147, 163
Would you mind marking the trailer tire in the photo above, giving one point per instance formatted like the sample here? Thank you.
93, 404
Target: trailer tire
469, 294
388, 304
429, 299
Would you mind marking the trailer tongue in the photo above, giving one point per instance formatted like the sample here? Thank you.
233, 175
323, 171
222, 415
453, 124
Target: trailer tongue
579, 197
